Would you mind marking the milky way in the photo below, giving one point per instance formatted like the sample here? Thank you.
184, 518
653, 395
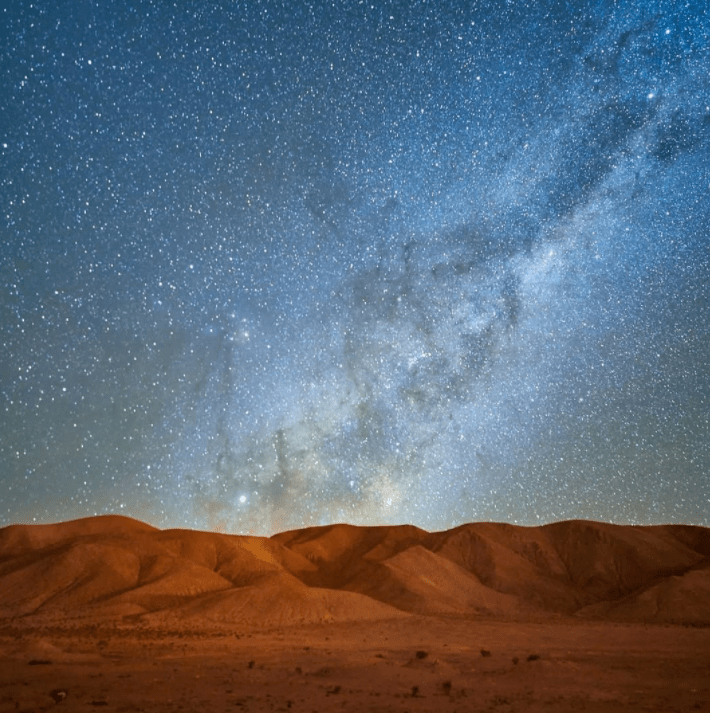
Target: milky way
273, 264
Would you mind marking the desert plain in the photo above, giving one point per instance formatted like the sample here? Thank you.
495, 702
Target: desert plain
109, 613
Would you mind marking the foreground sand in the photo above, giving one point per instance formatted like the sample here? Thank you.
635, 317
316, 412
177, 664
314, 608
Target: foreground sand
412, 664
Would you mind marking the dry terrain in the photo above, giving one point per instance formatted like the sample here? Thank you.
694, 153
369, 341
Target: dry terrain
109, 613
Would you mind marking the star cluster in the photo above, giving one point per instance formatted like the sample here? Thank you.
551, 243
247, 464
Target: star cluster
269, 264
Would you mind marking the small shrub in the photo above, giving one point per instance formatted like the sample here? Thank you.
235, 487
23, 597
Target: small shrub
422, 654
485, 653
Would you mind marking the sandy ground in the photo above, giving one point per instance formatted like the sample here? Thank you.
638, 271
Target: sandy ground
415, 664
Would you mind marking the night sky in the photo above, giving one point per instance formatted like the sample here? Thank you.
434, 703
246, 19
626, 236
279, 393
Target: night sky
271, 264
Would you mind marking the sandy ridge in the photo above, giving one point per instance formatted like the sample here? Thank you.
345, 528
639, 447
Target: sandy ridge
112, 566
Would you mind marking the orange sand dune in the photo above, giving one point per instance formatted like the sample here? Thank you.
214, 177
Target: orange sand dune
114, 566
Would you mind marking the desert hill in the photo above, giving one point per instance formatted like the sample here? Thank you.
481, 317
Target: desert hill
112, 566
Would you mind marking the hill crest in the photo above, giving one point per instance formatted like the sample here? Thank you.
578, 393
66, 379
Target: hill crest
112, 566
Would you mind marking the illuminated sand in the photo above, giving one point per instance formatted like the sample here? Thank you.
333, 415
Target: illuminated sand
111, 613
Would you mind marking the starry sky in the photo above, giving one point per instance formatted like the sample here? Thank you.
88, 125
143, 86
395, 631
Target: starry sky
266, 264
